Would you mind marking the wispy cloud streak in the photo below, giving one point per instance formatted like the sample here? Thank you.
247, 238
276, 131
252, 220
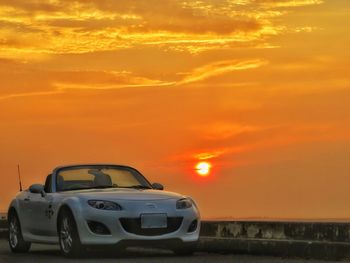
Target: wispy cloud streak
220, 68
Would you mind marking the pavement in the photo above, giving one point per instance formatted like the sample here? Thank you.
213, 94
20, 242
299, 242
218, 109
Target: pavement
51, 253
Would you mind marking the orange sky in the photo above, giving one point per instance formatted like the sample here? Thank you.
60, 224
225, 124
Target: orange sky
259, 88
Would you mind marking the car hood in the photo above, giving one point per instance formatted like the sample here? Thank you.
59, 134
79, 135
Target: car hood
123, 194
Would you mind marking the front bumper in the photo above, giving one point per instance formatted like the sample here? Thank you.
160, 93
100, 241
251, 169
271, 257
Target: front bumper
132, 212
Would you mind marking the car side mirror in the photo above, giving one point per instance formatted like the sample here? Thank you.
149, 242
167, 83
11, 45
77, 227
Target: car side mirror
157, 186
37, 189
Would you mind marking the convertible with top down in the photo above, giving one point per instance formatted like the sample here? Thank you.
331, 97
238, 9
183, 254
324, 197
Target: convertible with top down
101, 204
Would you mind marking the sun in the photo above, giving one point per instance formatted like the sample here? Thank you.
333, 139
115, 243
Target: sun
203, 168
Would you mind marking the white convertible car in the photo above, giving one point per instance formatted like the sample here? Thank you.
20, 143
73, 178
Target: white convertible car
90, 205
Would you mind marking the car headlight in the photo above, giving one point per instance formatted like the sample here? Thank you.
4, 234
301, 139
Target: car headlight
183, 203
104, 205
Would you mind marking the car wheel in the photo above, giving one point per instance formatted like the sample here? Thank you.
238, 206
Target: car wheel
185, 249
68, 235
15, 237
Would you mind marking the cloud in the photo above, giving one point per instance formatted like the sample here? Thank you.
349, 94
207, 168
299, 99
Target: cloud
65, 26
220, 68
32, 5
20, 79
208, 155
115, 80
224, 130
103, 80
288, 3
30, 94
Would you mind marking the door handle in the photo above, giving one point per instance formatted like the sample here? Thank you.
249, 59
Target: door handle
27, 199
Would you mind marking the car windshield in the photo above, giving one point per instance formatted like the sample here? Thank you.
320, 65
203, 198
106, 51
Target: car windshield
96, 177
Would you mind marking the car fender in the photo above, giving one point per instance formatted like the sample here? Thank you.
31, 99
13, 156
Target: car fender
14, 205
73, 203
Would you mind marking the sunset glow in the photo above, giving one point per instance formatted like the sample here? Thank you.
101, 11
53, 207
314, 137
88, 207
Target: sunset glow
258, 89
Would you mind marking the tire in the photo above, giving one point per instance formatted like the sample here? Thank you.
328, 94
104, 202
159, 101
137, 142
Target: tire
69, 240
185, 249
15, 237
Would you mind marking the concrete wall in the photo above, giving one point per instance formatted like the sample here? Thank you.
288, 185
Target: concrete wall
3, 229
286, 239
289, 239
304, 231
3, 224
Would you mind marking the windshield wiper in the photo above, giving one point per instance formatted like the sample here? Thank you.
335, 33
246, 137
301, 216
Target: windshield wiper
92, 187
103, 186
138, 187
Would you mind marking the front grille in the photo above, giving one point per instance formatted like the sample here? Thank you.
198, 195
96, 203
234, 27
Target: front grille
133, 225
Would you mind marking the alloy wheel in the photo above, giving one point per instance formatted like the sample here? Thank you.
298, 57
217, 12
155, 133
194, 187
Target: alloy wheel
13, 232
66, 235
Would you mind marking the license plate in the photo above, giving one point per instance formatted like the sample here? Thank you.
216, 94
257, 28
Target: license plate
154, 221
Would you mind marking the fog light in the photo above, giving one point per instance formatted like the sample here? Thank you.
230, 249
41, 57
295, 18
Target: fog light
98, 228
193, 226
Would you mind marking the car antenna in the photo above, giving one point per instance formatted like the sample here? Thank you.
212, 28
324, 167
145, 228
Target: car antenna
19, 178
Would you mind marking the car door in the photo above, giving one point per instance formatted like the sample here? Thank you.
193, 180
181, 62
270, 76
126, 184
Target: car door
42, 211
42, 214
25, 212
